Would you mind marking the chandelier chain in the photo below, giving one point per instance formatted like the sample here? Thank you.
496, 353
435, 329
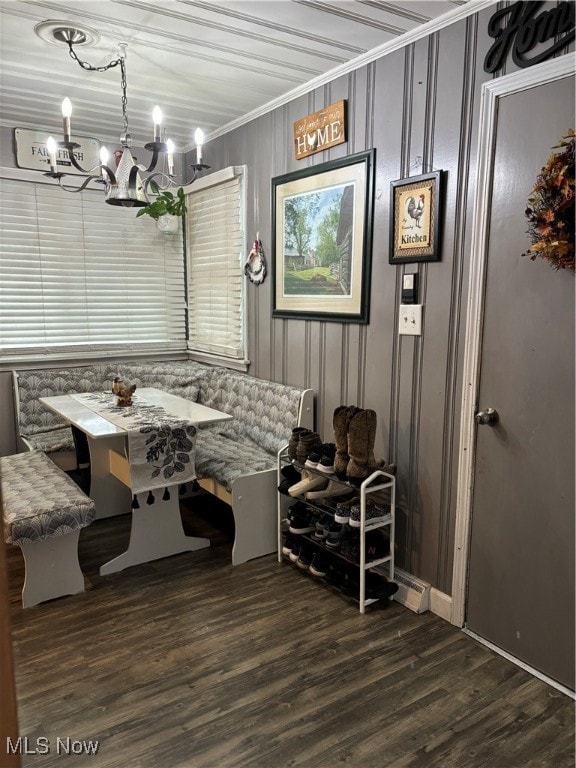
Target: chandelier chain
119, 61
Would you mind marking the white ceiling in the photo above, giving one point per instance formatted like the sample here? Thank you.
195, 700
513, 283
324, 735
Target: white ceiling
206, 63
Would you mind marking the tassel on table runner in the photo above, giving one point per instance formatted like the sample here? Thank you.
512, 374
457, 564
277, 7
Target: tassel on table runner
135, 504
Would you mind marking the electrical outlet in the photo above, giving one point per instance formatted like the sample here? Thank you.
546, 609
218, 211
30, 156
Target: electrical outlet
410, 323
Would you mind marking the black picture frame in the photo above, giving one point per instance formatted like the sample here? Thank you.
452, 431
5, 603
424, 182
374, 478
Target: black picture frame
416, 218
322, 220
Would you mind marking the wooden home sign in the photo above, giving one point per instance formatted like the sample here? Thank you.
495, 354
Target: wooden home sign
320, 131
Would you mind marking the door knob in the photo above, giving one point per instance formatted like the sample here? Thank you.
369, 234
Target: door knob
489, 416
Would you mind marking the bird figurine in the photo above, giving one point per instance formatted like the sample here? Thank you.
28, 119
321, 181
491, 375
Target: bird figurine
416, 208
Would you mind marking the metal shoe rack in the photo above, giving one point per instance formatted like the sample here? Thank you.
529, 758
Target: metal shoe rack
378, 481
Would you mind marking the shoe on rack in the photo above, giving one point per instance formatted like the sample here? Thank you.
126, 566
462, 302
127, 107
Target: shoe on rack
310, 481
319, 565
293, 442
304, 520
335, 535
377, 545
375, 513
322, 526
308, 442
327, 456
304, 558
342, 512
295, 551
290, 476
331, 489
350, 546
288, 541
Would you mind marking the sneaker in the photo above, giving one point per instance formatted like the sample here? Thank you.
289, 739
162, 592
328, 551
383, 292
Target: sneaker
319, 565
335, 536
342, 513
295, 551
290, 476
322, 526
288, 541
304, 520
377, 545
375, 513
326, 461
350, 547
304, 558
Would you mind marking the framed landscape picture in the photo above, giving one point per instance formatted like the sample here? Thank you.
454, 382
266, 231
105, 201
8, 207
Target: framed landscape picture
322, 240
415, 218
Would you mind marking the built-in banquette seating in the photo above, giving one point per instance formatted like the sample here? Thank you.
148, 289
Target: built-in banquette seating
235, 460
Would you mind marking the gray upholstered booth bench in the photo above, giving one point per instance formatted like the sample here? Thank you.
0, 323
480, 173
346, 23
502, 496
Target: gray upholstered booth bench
235, 460
44, 511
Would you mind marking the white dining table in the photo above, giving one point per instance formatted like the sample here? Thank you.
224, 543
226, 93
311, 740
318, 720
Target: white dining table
156, 529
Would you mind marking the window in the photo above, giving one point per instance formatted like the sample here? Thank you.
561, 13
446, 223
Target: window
79, 276
215, 245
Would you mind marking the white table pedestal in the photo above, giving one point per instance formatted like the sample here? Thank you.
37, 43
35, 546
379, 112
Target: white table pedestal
156, 532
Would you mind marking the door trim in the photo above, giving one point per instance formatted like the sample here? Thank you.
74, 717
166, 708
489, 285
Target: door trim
492, 91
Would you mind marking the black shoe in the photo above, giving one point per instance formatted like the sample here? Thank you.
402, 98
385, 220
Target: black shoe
304, 558
290, 476
319, 565
335, 536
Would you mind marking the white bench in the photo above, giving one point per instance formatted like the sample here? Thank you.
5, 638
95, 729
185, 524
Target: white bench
44, 511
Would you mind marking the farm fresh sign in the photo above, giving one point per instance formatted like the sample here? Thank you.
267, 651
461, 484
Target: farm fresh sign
320, 131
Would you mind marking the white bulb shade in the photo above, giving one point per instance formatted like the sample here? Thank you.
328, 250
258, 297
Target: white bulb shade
103, 155
51, 146
157, 115
66, 107
170, 146
199, 137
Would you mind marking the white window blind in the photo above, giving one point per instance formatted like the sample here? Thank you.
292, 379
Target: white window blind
215, 255
78, 275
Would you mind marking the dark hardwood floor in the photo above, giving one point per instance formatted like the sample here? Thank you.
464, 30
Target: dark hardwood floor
189, 661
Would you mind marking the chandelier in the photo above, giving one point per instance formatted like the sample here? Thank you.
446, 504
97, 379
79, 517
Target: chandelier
124, 185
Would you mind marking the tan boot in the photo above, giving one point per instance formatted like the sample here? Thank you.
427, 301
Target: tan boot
341, 421
361, 436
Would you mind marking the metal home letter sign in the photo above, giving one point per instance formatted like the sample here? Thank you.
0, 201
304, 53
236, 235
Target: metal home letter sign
524, 31
322, 130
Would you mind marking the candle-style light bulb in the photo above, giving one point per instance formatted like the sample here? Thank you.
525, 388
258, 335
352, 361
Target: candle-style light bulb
51, 147
66, 114
103, 161
157, 119
170, 150
199, 139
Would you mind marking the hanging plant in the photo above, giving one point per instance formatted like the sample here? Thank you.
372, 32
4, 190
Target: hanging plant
550, 210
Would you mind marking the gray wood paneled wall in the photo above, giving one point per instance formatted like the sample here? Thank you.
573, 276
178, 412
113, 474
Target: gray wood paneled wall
418, 106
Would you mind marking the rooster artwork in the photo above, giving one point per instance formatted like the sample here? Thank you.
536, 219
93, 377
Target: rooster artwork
415, 208
414, 202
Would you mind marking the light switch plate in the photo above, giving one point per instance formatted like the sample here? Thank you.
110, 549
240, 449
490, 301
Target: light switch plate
410, 322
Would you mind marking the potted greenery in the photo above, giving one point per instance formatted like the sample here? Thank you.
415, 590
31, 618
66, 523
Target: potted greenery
166, 209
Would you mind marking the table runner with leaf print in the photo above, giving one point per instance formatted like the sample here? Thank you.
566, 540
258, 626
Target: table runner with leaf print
161, 447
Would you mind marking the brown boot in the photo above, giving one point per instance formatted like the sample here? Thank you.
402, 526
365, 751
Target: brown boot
308, 441
341, 422
293, 442
361, 436
341, 440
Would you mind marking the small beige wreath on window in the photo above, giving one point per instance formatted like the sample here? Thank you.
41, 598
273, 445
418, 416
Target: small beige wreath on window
550, 210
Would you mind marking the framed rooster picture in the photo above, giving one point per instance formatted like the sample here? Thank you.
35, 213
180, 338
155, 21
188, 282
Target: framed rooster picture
416, 218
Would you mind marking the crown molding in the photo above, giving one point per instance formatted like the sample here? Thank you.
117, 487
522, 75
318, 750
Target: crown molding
424, 30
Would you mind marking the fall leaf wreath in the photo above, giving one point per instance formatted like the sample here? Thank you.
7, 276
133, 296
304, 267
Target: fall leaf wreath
550, 210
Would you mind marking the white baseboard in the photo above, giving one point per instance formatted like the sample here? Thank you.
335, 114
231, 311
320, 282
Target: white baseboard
441, 604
